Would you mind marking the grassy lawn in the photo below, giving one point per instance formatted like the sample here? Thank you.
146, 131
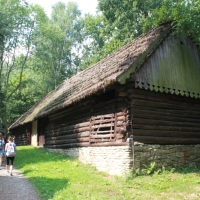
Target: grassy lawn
58, 177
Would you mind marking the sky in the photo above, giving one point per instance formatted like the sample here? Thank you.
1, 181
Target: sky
86, 6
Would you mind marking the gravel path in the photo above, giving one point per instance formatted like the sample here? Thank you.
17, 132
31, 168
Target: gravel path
16, 187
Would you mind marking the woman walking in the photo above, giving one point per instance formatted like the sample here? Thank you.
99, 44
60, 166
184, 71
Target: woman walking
10, 150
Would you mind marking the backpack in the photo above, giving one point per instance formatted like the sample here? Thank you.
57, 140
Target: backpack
10, 150
1, 144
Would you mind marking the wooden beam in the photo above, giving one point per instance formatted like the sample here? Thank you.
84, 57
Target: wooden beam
163, 133
72, 145
165, 140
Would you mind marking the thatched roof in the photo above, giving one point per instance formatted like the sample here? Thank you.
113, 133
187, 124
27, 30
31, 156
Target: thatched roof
97, 77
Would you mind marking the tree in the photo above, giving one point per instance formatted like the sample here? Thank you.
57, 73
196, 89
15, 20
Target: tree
94, 40
120, 21
183, 15
127, 19
57, 44
124, 19
17, 22
117, 23
97, 43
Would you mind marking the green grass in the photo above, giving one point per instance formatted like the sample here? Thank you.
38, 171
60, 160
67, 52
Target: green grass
58, 177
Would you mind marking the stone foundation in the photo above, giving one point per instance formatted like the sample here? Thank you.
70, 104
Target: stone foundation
118, 160
115, 160
169, 156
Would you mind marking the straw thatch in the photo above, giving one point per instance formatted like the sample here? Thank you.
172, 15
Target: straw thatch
116, 67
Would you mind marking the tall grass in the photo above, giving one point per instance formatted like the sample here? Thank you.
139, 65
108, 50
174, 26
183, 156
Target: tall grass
59, 177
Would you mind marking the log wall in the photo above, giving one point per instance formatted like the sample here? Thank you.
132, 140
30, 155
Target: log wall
22, 135
96, 121
164, 118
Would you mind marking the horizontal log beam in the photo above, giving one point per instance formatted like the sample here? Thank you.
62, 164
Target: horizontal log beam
139, 102
165, 117
164, 123
102, 126
122, 123
66, 127
123, 113
101, 140
102, 116
62, 146
68, 141
165, 140
68, 120
72, 145
165, 128
102, 136
110, 144
76, 135
102, 121
122, 118
154, 112
102, 132
72, 109
159, 133
68, 132
190, 113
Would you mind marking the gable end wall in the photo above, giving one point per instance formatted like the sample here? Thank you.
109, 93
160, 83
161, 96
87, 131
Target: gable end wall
174, 67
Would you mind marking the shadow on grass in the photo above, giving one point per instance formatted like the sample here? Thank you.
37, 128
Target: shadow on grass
47, 187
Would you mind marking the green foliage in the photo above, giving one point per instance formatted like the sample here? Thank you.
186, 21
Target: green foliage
94, 40
17, 22
98, 43
54, 41
29, 92
46, 52
149, 169
184, 16
124, 18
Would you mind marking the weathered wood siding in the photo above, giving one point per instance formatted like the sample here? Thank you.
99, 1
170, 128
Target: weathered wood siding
97, 121
164, 118
173, 67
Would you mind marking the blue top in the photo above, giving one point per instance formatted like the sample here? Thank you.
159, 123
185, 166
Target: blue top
2, 146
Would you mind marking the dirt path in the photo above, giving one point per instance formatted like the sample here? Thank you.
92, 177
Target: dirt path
16, 187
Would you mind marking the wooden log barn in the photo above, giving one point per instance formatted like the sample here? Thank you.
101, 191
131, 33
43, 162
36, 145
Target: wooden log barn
137, 106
